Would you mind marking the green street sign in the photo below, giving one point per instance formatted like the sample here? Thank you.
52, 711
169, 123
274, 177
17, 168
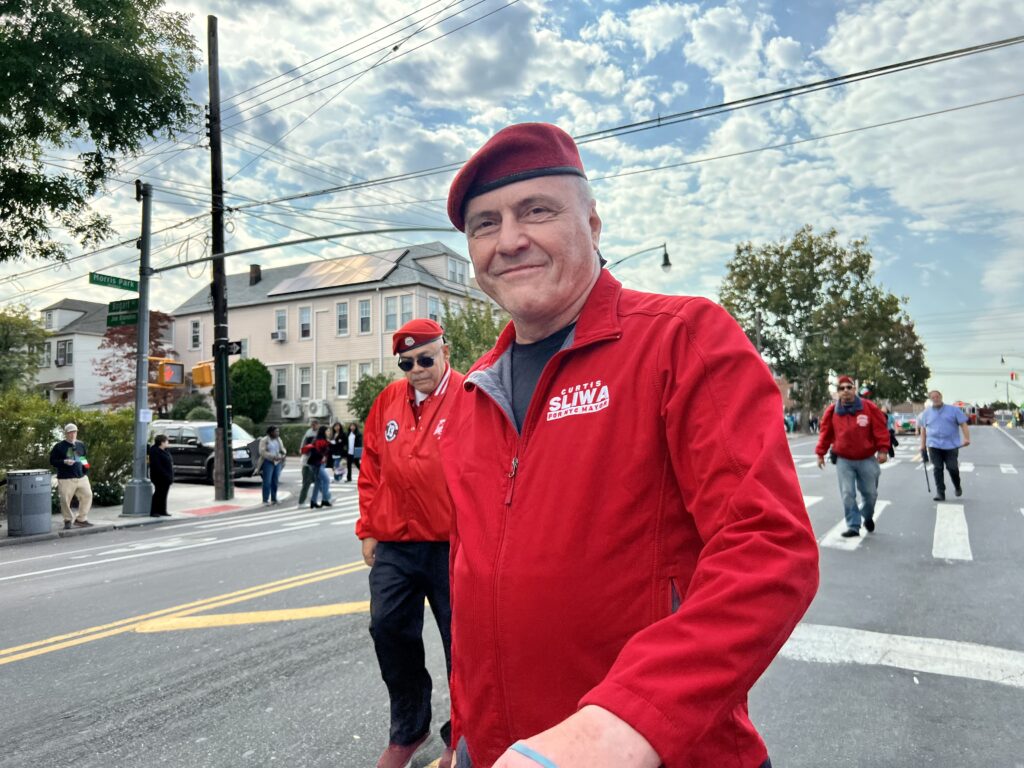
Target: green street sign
127, 318
127, 305
113, 282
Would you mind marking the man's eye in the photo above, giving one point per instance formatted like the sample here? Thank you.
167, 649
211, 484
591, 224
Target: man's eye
483, 226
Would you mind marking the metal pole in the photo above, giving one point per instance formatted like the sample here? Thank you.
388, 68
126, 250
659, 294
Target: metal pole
138, 493
222, 457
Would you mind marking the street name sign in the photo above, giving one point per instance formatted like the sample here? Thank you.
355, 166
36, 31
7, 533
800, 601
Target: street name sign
112, 281
127, 305
125, 318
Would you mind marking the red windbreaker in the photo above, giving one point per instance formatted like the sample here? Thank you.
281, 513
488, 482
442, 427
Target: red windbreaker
642, 546
402, 494
855, 436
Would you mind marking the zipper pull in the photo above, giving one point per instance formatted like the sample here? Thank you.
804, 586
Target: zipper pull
511, 480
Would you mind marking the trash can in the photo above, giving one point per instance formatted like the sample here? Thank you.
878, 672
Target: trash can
28, 502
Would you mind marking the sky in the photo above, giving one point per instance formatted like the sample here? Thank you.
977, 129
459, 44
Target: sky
926, 164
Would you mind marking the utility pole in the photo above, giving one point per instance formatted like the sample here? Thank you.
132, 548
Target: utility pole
224, 489
138, 494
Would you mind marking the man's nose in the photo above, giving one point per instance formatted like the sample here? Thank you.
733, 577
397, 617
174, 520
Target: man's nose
512, 238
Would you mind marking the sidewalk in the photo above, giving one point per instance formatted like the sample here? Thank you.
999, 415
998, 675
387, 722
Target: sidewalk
186, 501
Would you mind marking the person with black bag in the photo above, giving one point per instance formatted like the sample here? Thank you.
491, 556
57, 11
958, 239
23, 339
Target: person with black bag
339, 447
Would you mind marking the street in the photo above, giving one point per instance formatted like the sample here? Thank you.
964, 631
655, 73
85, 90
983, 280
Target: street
241, 640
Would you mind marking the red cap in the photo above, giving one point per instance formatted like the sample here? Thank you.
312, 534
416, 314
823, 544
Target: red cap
415, 333
844, 380
515, 153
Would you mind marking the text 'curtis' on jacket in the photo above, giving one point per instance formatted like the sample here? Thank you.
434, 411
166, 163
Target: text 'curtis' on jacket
855, 433
657, 583
402, 493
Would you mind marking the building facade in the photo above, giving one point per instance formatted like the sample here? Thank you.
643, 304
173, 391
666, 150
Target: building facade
69, 355
321, 326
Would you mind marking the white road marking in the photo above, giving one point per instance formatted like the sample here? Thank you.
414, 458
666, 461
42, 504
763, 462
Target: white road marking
951, 540
1008, 469
810, 501
835, 539
967, 466
842, 645
1012, 438
808, 464
890, 463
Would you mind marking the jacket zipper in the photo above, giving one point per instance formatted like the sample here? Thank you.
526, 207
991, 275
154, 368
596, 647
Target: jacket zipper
511, 481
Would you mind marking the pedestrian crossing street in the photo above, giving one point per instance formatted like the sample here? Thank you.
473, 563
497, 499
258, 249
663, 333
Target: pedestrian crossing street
907, 457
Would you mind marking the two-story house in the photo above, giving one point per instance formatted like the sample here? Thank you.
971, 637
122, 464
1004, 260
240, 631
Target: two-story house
321, 326
66, 364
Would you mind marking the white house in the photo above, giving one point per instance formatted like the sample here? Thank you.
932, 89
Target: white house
66, 364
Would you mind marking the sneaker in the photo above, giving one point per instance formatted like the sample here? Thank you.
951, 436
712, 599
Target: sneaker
869, 525
326, 504
850, 533
82, 524
939, 497
958, 491
399, 756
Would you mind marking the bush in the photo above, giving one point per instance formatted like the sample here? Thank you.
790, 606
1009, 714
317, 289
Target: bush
247, 424
250, 389
202, 413
291, 435
181, 408
365, 393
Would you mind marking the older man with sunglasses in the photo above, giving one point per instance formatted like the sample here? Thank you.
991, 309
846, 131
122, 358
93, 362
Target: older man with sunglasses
404, 522
856, 430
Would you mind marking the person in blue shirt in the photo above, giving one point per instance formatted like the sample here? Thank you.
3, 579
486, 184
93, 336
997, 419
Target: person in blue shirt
941, 441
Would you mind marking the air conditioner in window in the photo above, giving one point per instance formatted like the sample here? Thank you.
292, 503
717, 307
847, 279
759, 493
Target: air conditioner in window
59, 363
319, 408
279, 335
291, 410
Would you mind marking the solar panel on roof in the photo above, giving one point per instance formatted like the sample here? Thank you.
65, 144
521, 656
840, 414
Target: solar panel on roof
348, 270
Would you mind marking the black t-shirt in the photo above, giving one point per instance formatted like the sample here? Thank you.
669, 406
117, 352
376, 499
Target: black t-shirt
528, 361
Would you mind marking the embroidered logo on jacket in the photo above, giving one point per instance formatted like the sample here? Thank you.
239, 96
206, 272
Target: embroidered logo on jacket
391, 430
579, 399
862, 420
439, 428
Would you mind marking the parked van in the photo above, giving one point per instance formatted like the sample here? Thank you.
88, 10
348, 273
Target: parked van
191, 445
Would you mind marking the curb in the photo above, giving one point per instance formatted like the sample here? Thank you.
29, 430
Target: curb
63, 533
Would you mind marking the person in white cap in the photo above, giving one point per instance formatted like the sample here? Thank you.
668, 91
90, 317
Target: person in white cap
68, 458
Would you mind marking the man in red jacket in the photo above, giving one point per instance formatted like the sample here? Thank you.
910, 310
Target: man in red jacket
404, 523
608, 619
856, 429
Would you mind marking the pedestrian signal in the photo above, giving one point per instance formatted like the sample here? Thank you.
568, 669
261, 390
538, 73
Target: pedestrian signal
171, 374
202, 375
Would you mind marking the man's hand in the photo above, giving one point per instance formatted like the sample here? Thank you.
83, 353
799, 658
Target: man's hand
369, 550
967, 441
821, 462
591, 738
924, 454
883, 457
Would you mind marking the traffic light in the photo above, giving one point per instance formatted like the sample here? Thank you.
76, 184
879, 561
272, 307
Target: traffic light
1013, 376
171, 374
202, 375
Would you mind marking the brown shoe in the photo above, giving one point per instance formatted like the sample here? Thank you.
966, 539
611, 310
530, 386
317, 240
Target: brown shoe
446, 758
398, 755
82, 524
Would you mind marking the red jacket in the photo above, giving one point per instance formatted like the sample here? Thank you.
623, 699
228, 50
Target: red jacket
402, 494
642, 546
855, 436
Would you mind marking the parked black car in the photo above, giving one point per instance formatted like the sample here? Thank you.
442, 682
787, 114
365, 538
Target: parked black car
191, 445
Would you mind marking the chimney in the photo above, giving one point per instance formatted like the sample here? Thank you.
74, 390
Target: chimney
255, 274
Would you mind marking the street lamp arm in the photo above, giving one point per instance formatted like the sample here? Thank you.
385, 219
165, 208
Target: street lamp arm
666, 265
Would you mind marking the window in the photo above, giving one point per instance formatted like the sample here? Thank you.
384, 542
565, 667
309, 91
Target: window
457, 270
280, 383
341, 310
406, 308
304, 380
365, 369
195, 334
364, 315
434, 308
64, 353
341, 379
48, 319
281, 320
46, 359
305, 322
391, 313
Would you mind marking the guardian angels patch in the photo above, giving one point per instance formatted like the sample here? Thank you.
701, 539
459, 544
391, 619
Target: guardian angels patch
391, 430
578, 400
862, 420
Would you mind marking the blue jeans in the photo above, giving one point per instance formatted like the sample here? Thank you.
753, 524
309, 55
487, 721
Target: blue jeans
321, 485
271, 473
856, 476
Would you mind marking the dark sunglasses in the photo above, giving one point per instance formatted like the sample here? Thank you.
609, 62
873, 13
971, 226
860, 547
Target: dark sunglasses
406, 363
845, 386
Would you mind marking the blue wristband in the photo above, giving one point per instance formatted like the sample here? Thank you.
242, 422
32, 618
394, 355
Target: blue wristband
533, 754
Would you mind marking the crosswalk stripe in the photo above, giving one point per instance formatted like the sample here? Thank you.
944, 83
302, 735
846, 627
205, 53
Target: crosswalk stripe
951, 540
891, 463
967, 466
835, 539
1008, 469
808, 464
810, 501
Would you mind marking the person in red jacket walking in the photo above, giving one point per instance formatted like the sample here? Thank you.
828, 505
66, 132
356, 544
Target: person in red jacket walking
857, 431
404, 523
608, 619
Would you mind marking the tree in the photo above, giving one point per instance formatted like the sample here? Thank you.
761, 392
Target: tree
812, 308
93, 78
186, 403
117, 369
365, 393
21, 342
471, 331
250, 389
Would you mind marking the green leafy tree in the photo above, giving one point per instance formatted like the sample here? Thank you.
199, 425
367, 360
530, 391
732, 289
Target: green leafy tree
366, 392
250, 389
200, 413
471, 331
811, 306
21, 342
186, 403
95, 79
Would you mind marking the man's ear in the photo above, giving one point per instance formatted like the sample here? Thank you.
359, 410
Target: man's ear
595, 226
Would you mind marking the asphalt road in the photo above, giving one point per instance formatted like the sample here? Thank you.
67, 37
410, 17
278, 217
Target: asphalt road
241, 640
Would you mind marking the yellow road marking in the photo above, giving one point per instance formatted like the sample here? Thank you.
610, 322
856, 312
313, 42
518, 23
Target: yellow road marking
172, 623
82, 636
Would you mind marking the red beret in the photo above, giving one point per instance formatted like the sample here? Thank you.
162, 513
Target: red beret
844, 380
415, 333
513, 154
